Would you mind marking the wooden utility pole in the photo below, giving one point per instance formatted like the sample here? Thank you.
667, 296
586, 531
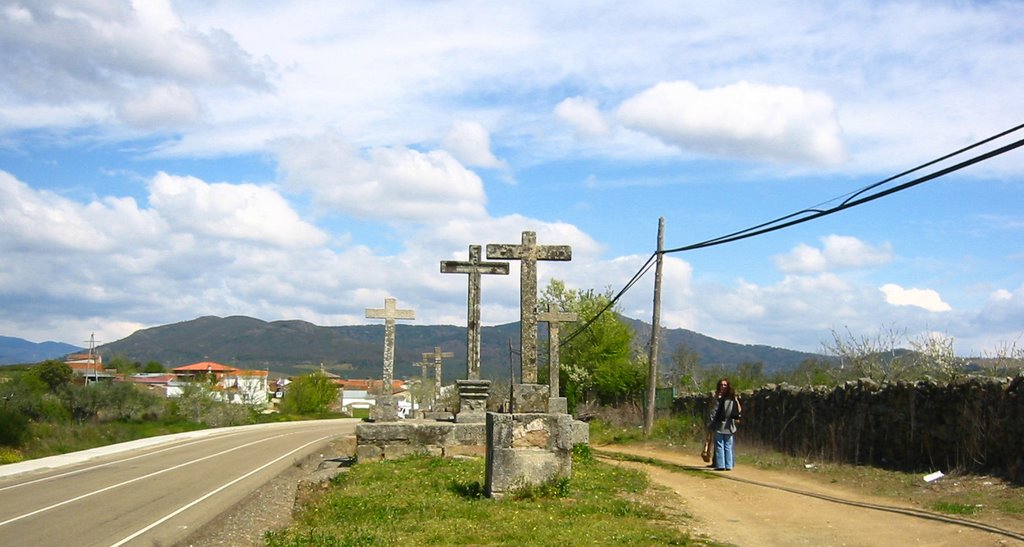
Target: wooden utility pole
652, 371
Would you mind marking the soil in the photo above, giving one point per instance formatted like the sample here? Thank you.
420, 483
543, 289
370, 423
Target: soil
747, 506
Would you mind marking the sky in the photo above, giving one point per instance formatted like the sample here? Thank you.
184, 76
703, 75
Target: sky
165, 160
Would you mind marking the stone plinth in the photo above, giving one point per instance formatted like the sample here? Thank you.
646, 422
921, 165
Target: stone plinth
526, 449
530, 398
472, 400
580, 432
385, 409
393, 440
558, 405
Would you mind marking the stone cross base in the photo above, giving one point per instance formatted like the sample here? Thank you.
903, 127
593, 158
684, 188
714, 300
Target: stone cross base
526, 449
530, 398
558, 405
472, 400
385, 409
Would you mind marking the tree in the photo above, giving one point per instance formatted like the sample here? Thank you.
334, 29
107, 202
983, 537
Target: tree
310, 394
54, 373
877, 357
595, 364
123, 365
935, 356
153, 367
686, 365
748, 375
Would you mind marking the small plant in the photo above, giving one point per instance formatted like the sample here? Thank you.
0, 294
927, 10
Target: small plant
555, 488
10, 455
581, 453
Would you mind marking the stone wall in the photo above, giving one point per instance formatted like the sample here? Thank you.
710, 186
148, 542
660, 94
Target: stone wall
975, 424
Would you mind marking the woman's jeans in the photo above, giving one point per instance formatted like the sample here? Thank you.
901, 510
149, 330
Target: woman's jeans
723, 450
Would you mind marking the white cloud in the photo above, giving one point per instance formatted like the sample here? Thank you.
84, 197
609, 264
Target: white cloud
99, 50
161, 106
927, 299
583, 115
391, 184
838, 252
745, 120
470, 143
44, 222
230, 211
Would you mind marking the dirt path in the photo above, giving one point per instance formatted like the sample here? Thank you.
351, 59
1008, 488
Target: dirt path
738, 512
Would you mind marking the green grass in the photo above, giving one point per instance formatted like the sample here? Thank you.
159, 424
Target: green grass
954, 508
425, 500
677, 429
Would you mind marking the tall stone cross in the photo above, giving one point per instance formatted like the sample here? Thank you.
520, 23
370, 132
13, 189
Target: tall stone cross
528, 253
474, 267
553, 318
389, 314
437, 354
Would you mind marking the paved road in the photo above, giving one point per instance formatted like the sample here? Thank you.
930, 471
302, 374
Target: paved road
149, 492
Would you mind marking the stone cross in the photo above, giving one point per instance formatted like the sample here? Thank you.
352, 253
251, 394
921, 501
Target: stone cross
474, 267
553, 318
528, 253
389, 314
437, 354
423, 382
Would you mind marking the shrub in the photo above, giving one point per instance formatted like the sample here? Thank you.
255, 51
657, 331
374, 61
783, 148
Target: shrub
13, 428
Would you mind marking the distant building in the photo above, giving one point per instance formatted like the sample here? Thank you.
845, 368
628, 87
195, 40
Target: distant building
230, 384
89, 367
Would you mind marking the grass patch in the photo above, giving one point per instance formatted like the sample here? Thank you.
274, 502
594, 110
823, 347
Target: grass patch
424, 500
953, 508
674, 430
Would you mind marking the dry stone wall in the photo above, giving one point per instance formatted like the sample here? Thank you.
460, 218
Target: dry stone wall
975, 424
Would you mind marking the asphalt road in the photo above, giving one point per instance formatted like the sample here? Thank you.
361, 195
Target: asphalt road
150, 492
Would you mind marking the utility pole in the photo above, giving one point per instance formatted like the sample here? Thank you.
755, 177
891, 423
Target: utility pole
652, 371
92, 359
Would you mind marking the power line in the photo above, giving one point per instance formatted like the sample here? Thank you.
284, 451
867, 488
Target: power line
815, 212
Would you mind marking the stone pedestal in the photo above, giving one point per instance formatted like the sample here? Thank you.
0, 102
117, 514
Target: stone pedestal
526, 449
558, 405
394, 440
530, 398
472, 400
385, 409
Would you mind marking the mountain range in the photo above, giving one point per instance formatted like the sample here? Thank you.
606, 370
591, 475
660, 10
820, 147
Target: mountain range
291, 347
17, 350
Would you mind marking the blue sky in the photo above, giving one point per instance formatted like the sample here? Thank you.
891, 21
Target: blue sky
164, 160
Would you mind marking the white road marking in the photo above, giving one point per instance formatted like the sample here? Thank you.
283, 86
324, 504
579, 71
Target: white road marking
212, 492
92, 467
136, 479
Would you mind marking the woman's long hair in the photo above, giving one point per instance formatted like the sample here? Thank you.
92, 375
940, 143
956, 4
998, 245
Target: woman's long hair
729, 392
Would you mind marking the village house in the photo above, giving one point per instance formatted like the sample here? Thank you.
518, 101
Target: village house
230, 384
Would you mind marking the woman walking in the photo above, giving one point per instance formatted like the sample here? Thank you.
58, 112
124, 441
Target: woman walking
725, 410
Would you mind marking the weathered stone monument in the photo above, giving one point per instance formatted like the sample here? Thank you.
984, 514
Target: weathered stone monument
528, 396
531, 445
553, 318
386, 407
437, 355
473, 391
426, 401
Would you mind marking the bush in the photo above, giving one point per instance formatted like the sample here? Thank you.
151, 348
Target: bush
13, 428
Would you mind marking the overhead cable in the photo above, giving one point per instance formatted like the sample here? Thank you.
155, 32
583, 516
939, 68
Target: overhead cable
815, 212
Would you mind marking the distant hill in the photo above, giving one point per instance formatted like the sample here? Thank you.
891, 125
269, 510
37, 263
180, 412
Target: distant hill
16, 351
293, 347
719, 352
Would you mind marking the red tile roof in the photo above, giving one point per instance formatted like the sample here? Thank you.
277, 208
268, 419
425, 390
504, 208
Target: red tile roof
205, 366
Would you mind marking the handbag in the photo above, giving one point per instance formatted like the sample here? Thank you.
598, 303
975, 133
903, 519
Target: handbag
706, 453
